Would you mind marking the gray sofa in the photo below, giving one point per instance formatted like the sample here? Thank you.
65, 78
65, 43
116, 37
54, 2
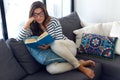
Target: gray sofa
17, 64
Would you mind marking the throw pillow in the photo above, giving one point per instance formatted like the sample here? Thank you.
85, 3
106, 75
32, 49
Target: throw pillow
44, 57
9, 67
106, 26
69, 23
23, 56
115, 32
96, 29
98, 45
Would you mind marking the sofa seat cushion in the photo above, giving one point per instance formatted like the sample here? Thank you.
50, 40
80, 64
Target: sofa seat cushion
9, 67
70, 75
110, 67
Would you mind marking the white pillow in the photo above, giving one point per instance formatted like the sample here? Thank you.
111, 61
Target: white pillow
106, 26
96, 29
115, 32
84, 24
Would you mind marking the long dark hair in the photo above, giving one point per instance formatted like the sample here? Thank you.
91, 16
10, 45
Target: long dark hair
34, 26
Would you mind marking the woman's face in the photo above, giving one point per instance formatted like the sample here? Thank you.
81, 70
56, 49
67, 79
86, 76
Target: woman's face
39, 15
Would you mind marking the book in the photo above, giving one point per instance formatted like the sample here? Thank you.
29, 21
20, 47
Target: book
36, 41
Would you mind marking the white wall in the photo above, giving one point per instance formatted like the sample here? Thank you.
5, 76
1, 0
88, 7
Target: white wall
98, 10
58, 8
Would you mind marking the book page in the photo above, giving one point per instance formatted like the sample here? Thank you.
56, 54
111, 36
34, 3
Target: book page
42, 35
31, 40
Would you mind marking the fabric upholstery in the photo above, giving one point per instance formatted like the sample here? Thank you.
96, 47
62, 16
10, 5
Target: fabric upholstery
98, 45
115, 32
95, 29
23, 56
9, 67
105, 25
45, 57
70, 75
110, 67
69, 23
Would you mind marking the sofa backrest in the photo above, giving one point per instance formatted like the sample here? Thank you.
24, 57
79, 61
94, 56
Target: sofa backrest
22, 55
9, 67
69, 23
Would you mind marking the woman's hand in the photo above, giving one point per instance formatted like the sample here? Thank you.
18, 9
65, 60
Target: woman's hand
27, 25
44, 47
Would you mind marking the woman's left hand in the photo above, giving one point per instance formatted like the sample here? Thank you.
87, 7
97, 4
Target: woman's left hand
44, 47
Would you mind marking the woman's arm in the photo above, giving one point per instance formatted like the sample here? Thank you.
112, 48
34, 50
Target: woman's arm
24, 34
25, 31
27, 25
55, 29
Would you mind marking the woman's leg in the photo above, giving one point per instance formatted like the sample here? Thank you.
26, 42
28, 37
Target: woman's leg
72, 47
56, 68
63, 48
87, 71
87, 63
67, 50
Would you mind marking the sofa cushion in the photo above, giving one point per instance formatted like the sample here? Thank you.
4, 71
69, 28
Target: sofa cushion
70, 23
45, 57
70, 75
110, 68
95, 29
23, 56
98, 45
115, 32
44, 75
106, 26
9, 67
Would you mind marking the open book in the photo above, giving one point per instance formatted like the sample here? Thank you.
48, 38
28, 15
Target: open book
36, 41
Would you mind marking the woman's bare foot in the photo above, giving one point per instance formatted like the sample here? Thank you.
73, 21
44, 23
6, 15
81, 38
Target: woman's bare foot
87, 63
87, 71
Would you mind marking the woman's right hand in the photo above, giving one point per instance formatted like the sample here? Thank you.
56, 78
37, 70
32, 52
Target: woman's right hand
44, 47
27, 25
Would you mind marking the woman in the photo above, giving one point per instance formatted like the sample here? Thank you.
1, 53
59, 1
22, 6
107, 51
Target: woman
39, 21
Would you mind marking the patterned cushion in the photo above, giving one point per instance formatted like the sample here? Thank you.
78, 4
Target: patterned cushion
45, 57
98, 45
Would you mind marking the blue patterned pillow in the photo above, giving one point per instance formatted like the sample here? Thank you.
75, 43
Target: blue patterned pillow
98, 45
44, 57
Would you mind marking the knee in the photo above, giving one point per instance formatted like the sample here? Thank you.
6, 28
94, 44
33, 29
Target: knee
52, 69
57, 44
